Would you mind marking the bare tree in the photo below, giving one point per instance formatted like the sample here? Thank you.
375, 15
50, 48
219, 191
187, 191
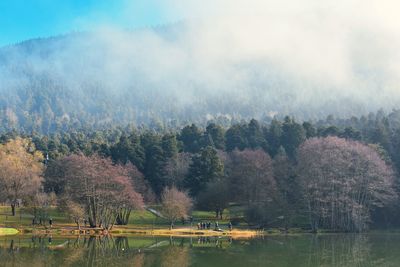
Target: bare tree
177, 168
140, 184
342, 181
74, 210
175, 204
20, 171
38, 206
104, 189
251, 176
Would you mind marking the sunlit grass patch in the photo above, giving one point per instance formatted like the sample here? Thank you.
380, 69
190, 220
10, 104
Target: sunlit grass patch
8, 231
236, 233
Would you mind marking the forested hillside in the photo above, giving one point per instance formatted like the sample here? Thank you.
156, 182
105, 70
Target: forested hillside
164, 77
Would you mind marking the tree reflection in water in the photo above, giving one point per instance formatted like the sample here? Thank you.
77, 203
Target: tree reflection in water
304, 251
340, 251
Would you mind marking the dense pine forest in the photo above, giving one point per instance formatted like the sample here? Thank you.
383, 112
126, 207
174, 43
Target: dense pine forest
337, 174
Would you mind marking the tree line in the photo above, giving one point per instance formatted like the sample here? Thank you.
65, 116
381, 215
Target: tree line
335, 174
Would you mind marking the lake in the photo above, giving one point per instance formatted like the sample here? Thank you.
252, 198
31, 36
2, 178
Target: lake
339, 250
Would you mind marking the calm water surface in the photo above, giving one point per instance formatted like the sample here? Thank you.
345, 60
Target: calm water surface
305, 250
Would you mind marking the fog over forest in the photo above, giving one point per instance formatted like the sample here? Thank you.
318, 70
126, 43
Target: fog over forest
238, 60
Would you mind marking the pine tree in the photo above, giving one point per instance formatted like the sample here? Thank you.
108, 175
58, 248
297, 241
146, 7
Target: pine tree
273, 136
205, 167
293, 135
236, 137
191, 138
215, 136
255, 137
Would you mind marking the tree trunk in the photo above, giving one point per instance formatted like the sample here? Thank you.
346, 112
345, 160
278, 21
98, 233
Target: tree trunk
78, 224
13, 208
91, 223
94, 214
123, 216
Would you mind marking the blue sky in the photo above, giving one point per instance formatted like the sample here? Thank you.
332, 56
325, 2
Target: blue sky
26, 19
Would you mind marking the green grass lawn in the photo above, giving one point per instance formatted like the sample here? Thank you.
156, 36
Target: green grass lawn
142, 218
23, 218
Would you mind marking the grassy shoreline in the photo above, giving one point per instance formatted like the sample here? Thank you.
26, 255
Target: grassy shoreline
141, 223
68, 230
161, 231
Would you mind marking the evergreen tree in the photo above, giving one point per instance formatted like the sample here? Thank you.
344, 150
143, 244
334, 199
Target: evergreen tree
395, 148
154, 168
351, 133
205, 167
310, 130
293, 135
169, 145
128, 149
236, 137
215, 136
290, 196
330, 131
273, 136
191, 138
380, 133
255, 137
